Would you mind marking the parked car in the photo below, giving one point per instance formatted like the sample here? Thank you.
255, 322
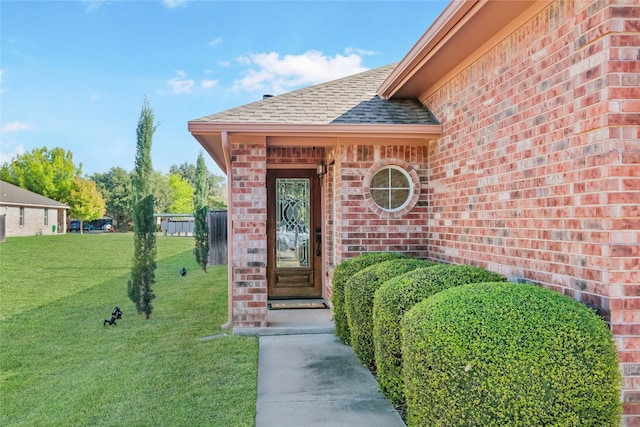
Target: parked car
74, 226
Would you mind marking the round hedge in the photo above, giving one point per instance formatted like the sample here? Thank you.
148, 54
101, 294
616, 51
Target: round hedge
504, 354
359, 292
397, 296
343, 272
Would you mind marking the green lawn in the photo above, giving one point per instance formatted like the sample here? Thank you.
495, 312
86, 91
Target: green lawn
60, 366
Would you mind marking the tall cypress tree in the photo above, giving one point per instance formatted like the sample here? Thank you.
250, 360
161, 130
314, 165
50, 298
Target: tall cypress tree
201, 211
144, 228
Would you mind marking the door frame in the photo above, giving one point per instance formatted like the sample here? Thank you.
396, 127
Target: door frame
315, 217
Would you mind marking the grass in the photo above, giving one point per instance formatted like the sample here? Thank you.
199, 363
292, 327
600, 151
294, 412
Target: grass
60, 366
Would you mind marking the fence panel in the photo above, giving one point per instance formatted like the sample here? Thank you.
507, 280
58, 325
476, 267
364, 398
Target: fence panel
218, 238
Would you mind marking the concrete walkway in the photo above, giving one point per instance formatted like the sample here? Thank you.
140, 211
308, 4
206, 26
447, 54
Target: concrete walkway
310, 379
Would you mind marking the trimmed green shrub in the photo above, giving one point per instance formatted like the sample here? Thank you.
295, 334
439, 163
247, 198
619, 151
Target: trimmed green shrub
358, 296
343, 272
397, 296
505, 354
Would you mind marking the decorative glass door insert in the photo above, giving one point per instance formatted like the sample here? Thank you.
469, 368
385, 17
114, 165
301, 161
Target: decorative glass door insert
293, 223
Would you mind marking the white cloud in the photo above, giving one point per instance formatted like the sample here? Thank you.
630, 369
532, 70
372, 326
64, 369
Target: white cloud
14, 151
9, 149
172, 4
360, 52
16, 127
93, 4
181, 85
215, 42
280, 74
208, 83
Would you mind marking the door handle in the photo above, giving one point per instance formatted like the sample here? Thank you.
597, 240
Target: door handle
318, 242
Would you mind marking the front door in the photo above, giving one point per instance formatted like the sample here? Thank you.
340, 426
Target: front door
294, 234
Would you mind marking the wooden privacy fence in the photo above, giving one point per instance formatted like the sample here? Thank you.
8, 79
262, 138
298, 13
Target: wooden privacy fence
217, 237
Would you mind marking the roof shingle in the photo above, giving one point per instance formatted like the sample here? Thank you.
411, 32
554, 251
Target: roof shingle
13, 195
349, 100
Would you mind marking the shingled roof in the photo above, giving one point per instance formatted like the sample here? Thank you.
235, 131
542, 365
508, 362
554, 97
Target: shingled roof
13, 195
349, 100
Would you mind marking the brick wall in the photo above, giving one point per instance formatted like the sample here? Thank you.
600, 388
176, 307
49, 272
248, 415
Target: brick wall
249, 223
359, 226
537, 174
33, 221
328, 183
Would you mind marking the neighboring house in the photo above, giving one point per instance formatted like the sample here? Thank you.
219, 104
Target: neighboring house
508, 137
29, 214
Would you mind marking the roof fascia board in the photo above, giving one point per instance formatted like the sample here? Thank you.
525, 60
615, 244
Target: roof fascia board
447, 28
204, 128
285, 141
33, 205
516, 23
434, 35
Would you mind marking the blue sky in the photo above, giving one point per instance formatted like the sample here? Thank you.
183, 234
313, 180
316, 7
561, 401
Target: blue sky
74, 74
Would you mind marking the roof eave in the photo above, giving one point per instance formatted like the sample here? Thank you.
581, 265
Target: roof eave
464, 31
210, 134
276, 129
428, 42
33, 205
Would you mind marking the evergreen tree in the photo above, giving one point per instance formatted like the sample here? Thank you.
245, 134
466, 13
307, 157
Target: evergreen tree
144, 227
201, 211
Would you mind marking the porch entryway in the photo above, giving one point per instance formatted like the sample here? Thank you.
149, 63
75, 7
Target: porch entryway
294, 234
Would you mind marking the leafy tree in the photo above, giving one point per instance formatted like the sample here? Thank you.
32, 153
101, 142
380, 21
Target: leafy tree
217, 192
218, 187
116, 189
144, 264
162, 194
43, 171
201, 211
185, 170
217, 195
85, 201
182, 193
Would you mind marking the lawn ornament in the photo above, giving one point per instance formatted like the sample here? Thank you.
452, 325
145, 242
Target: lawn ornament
115, 314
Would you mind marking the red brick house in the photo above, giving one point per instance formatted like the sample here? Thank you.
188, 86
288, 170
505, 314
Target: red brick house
508, 137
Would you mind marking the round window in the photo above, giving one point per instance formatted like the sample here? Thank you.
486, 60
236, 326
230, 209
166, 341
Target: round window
391, 188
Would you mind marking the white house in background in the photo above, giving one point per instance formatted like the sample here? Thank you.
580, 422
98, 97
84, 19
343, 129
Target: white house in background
25, 213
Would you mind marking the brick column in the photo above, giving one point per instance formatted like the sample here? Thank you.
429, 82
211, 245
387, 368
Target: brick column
249, 232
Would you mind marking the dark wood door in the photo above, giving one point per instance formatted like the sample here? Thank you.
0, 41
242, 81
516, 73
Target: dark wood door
294, 234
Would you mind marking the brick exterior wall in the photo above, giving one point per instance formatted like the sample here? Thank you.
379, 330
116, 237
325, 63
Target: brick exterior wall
33, 221
328, 183
248, 214
359, 225
537, 174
